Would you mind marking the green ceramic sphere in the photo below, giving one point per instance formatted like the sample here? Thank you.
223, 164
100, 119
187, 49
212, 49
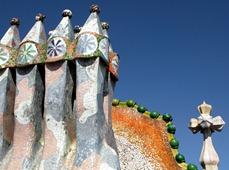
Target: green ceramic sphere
180, 158
115, 102
130, 103
174, 143
167, 117
154, 114
171, 128
141, 109
192, 167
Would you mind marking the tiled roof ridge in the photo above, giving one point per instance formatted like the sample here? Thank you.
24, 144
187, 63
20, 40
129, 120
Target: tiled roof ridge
171, 129
62, 44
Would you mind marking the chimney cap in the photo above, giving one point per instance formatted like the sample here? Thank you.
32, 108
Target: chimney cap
95, 8
77, 29
105, 25
40, 17
15, 21
67, 13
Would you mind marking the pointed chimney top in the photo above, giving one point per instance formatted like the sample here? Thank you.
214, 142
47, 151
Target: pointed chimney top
64, 28
11, 38
40, 17
95, 8
77, 29
93, 23
15, 21
67, 13
37, 32
105, 25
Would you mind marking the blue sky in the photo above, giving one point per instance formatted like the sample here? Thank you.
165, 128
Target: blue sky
174, 54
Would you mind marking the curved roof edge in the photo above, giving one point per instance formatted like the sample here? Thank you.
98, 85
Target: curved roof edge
171, 129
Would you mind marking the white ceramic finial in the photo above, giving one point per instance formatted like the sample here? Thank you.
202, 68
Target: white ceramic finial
206, 124
67, 13
205, 108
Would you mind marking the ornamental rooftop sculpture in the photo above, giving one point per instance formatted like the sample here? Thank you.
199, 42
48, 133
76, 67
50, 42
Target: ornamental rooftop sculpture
206, 124
56, 104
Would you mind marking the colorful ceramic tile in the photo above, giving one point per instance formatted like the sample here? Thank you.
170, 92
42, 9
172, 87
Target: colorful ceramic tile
87, 44
104, 47
91, 45
113, 57
36, 34
60, 41
8, 45
107, 105
56, 47
32, 49
7, 96
7, 57
92, 24
28, 119
94, 151
64, 28
114, 65
27, 53
58, 115
91, 42
108, 91
11, 37
4, 55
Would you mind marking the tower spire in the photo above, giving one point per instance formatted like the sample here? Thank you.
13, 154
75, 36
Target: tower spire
11, 37
91, 40
59, 41
37, 32
31, 49
105, 27
113, 57
93, 23
9, 43
207, 124
64, 28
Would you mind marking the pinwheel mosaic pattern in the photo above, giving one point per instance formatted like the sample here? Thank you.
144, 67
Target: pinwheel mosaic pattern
27, 53
103, 47
87, 44
4, 56
56, 47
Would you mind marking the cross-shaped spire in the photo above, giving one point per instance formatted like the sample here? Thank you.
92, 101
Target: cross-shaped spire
207, 124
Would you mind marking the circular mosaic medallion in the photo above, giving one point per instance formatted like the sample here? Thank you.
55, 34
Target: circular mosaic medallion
87, 44
27, 53
4, 55
56, 47
103, 47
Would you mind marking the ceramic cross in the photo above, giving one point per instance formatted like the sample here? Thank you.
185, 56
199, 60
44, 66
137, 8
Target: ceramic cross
207, 124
